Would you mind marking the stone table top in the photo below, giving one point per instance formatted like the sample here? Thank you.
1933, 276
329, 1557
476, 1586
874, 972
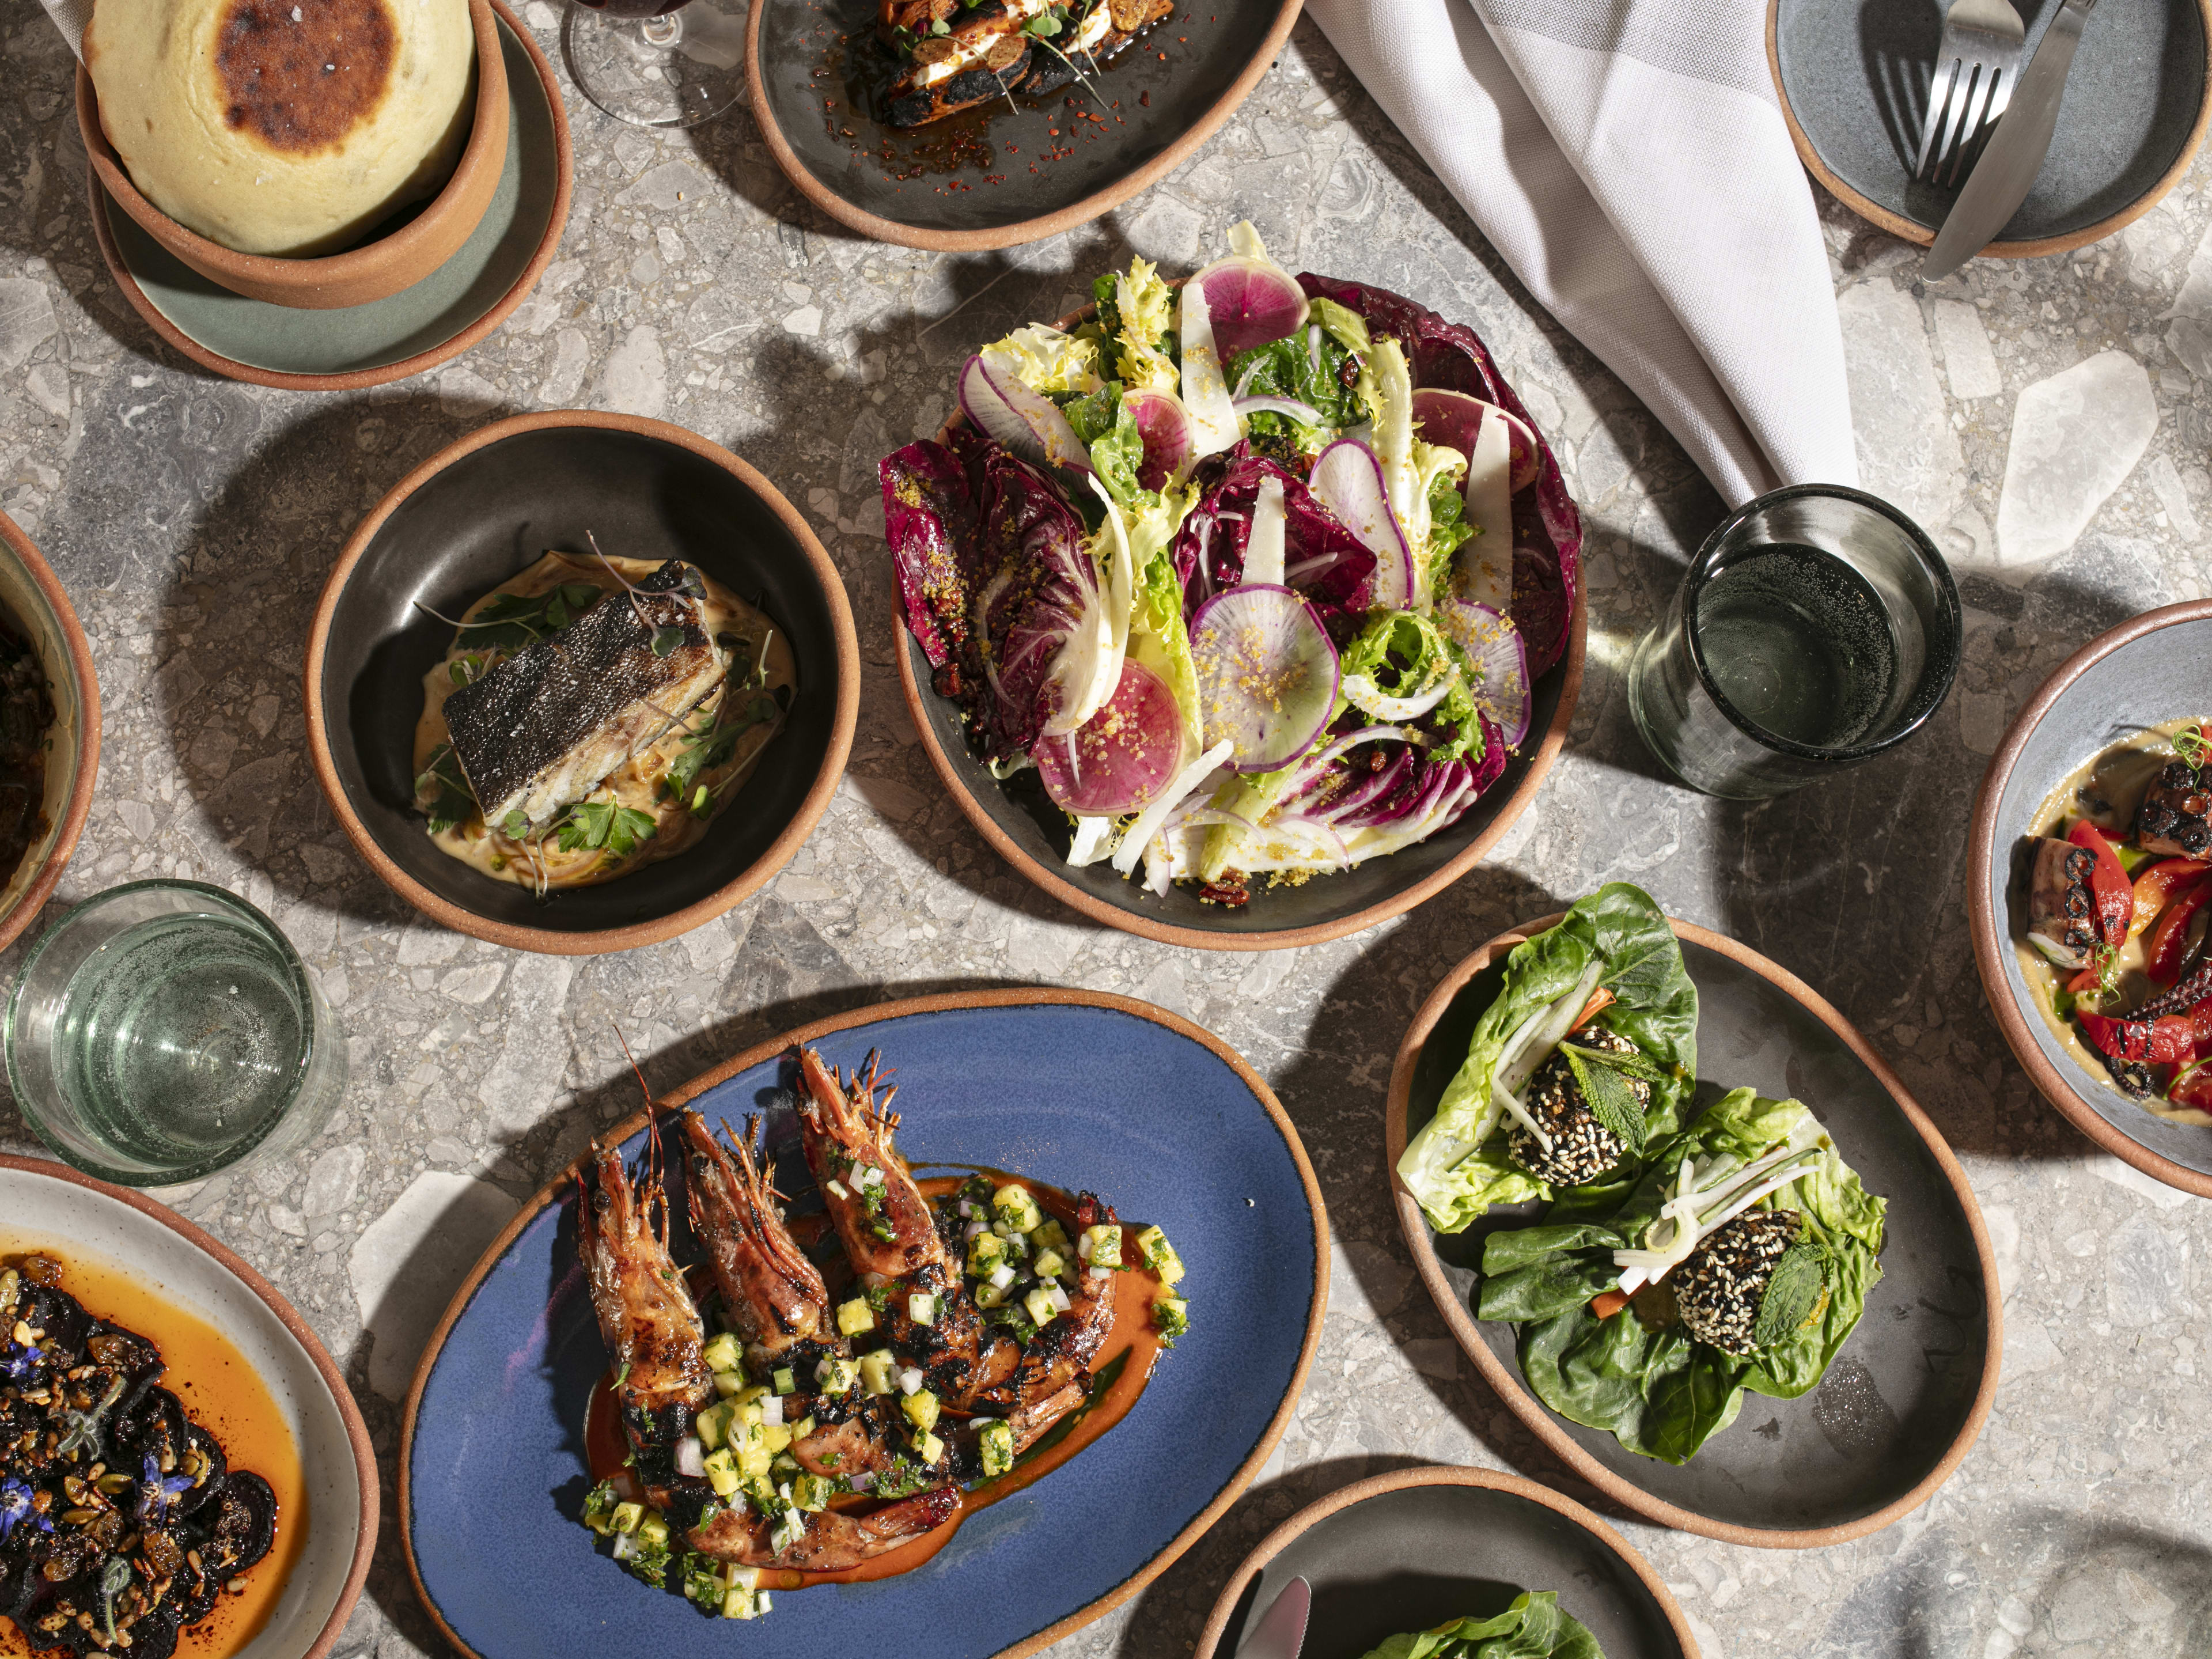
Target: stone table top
2048, 420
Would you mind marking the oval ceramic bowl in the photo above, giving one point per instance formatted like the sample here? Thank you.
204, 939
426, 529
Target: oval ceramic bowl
2144, 672
56, 1205
995, 177
373, 269
487, 507
1853, 85
437, 320
32, 594
1410, 1550
1903, 1400
1083, 1090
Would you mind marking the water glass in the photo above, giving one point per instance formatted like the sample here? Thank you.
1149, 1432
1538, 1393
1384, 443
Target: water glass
1818, 626
166, 1030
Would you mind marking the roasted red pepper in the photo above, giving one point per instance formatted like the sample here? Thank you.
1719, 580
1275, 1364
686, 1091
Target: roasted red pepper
2109, 887
2200, 1021
2192, 1088
2156, 885
2162, 960
2166, 1041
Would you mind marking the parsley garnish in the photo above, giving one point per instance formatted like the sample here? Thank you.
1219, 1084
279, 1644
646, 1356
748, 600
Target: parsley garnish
599, 824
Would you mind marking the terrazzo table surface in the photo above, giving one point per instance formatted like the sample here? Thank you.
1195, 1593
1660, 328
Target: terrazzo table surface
2050, 421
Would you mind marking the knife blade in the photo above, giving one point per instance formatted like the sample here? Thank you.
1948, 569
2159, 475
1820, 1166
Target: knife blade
1281, 1630
2001, 178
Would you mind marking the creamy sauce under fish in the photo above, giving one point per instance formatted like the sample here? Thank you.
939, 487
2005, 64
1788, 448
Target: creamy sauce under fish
2105, 789
636, 783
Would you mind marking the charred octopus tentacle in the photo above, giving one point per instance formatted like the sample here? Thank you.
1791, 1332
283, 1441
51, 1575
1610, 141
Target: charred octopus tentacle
2062, 913
2175, 818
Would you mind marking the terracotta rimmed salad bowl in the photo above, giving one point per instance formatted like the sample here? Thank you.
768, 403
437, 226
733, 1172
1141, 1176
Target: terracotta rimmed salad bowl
1904, 1398
2145, 672
34, 597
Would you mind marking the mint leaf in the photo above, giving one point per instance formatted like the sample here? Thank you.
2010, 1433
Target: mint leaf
1608, 1096
1796, 1296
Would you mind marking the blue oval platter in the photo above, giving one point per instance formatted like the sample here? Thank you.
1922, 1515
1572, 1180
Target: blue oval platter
1079, 1090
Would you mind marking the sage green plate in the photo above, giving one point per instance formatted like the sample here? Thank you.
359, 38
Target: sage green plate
438, 318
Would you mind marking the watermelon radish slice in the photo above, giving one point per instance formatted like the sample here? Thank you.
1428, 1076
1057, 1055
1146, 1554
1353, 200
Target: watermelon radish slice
1121, 758
1252, 299
1450, 418
1164, 425
1501, 655
1029, 423
1266, 674
1347, 480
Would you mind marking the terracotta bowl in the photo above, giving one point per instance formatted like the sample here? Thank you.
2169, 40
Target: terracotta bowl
1411, 1549
2145, 671
32, 595
1905, 1397
486, 507
374, 269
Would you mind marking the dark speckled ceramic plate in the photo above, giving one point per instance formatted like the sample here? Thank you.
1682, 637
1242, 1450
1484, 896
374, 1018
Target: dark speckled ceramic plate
2144, 672
1903, 1400
1854, 74
1163, 1120
1411, 1549
1013, 172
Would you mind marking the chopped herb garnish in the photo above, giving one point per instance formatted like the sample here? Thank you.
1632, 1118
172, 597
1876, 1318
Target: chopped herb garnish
442, 792
602, 825
512, 621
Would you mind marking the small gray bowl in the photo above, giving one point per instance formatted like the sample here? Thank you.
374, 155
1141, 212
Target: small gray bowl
2144, 672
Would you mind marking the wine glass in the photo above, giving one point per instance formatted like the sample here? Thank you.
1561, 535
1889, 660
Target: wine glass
657, 62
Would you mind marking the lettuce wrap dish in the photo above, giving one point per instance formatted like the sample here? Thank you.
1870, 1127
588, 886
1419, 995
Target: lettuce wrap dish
1585, 1060
1533, 1627
1256, 575
1738, 1259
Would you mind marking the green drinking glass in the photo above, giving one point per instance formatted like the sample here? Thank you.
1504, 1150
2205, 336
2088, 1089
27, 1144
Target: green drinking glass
166, 1030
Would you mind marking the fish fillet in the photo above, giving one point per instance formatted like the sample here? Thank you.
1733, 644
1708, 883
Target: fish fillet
546, 726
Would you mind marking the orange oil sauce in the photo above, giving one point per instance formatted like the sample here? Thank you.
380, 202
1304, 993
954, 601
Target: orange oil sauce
221, 1392
1131, 1336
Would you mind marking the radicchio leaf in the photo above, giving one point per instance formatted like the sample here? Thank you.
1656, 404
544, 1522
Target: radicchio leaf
929, 519
1322, 560
1036, 584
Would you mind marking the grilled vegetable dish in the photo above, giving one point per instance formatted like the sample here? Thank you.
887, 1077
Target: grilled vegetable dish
592, 715
953, 1345
955, 54
1533, 1627
2111, 914
1257, 577
1677, 1267
121, 1523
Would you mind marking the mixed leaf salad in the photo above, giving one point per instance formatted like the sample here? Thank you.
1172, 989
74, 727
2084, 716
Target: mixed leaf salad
1686, 1257
1533, 1627
1256, 575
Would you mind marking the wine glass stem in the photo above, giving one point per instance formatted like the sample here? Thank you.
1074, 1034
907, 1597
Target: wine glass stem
663, 32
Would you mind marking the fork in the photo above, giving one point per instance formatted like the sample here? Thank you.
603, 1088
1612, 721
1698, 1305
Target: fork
1975, 69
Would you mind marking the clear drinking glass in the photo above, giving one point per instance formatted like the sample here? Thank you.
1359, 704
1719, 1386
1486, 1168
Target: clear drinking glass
165, 1030
657, 62
1817, 628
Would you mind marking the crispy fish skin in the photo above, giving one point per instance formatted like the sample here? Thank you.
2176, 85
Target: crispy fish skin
547, 726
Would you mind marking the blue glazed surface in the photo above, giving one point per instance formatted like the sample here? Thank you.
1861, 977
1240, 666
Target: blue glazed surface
1076, 1096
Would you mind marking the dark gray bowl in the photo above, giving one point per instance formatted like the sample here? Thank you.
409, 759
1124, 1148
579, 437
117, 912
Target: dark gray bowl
1908, 1394
996, 175
1854, 79
1409, 1550
2144, 672
475, 514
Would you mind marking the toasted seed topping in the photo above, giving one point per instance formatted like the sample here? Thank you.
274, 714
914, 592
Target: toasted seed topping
1720, 1287
1583, 1149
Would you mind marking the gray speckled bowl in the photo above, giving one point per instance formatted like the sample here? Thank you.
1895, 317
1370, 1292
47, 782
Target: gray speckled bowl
2145, 671
1853, 80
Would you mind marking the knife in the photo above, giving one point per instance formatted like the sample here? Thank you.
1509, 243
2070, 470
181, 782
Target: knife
1281, 1630
2002, 178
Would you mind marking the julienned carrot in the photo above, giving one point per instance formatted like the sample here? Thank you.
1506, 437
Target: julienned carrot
1605, 1304
1599, 1000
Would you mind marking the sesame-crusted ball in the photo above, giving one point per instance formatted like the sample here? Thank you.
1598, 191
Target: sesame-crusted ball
1720, 1288
1583, 1149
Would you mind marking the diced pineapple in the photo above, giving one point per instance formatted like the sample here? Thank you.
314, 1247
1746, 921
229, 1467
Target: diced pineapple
929, 1449
878, 1371
985, 1252
1101, 1246
989, 1296
1050, 1236
839, 1377
722, 1473
856, 1317
627, 1515
996, 1444
920, 1408
721, 1353
1016, 1208
1051, 1264
812, 1492
1039, 1303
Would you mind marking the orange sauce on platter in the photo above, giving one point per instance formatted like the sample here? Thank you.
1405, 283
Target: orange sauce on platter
219, 1390
1124, 1362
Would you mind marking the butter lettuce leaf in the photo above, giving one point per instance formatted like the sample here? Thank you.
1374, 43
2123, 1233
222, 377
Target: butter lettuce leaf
1533, 1627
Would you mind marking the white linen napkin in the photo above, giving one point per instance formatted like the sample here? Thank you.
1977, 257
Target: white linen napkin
69, 17
1629, 160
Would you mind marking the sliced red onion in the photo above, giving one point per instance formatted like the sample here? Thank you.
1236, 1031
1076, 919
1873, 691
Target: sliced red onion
1501, 654
1263, 547
1347, 480
1266, 674
1252, 301
689, 1459
1025, 421
1450, 418
1164, 425
1305, 413
1121, 758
